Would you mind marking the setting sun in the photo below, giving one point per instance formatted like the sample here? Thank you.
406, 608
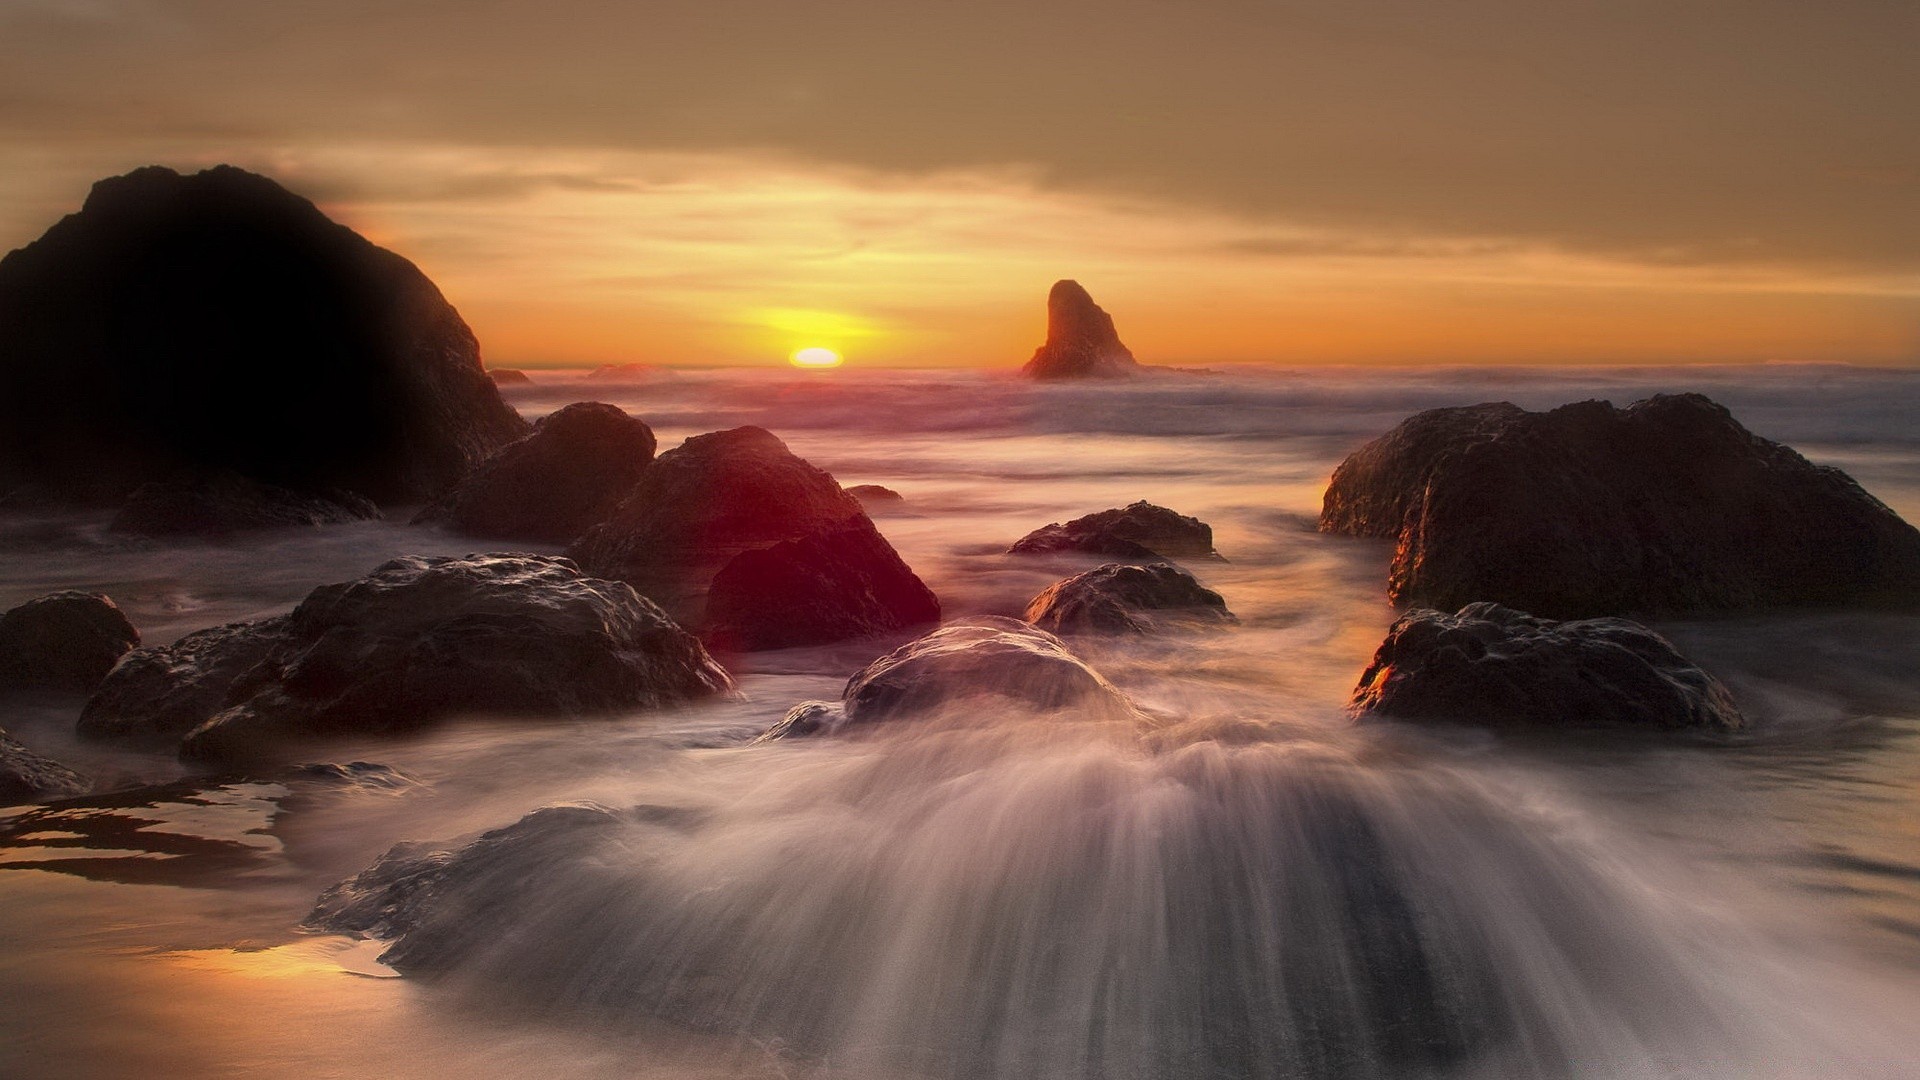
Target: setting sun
815, 357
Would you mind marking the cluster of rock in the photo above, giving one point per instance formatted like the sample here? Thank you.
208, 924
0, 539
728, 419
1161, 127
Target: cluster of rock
224, 503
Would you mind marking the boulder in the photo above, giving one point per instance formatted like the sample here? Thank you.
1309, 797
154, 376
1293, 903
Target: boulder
159, 693
506, 376
1121, 598
963, 664
1138, 531
29, 777
63, 641
1081, 341
216, 321
1492, 665
1667, 507
876, 499
835, 585
552, 484
225, 503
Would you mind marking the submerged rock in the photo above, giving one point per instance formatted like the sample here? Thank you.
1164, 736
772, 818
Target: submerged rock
1081, 341
552, 484
1492, 665
1666, 507
835, 585
216, 322
29, 777
159, 693
63, 641
226, 503
1120, 598
1140, 530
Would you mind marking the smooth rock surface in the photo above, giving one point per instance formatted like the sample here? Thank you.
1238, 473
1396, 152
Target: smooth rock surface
224, 503
29, 777
1122, 598
1140, 530
1081, 341
835, 585
1491, 665
159, 693
64, 641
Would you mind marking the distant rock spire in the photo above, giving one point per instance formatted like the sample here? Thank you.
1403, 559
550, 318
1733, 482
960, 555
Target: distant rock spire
1081, 341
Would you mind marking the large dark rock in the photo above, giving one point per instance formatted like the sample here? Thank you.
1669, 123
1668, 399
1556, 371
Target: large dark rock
159, 693
225, 503
1492, 665
1138, 531
969, 664
1666, 507
549, 486
1121, 598
843, 583
219, 322
63, 641
29, 777
1081, 341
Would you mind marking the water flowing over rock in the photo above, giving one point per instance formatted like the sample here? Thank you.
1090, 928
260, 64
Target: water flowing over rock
1081, 341
828, 586
219, 505
1492, 665
1666, 507
64, 641
552, 484
159, 693
1139, 530
1120, 598
29, 777
216, 321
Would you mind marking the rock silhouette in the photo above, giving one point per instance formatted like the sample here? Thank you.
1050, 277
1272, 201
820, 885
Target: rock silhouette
1666, 507
226, 503
1491, 665
1120, 598
64, 641
216, 321
828, 586
506, 376
1140, 530
876, 499
1081, 341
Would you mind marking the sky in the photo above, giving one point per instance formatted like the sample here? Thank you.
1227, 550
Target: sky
1322, 181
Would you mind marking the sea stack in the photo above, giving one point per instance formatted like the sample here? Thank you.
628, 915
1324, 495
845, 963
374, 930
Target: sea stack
1081, 341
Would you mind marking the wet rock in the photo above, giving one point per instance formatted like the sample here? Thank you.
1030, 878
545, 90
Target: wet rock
29, 777
876, 499
836, 585
159, 693
973, 661
1081, 341
1120, 598
216, 322
63, 641
1666, 507
506, 376
1492, 665
551, 485
1137, 531
225, 503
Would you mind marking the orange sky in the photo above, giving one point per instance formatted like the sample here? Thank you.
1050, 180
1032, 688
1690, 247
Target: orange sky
727, 181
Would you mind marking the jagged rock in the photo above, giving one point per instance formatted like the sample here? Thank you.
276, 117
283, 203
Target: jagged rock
876, 499
1120, 598
980, 659
226, 503
29, 777
551, 485
63, 641
1081, 342
159, 693
1666, 507
506, 376
844, 583
1492, 665
218, 322
1138, 531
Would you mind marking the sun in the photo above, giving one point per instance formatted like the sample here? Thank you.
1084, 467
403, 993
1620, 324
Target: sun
815, 357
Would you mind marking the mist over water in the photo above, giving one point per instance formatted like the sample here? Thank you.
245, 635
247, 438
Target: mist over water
1241, 884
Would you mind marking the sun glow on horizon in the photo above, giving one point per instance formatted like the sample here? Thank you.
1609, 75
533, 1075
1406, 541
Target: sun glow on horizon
815, 357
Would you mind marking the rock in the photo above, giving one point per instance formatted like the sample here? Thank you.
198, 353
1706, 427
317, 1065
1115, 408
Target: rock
63, 641
1492, 665
552, 484
225, 503
835, 585
1138, 531
1120, 598
1081, 342
1667, 507
218, 322
29, 777
506, 376
623, 373
159, 693
876, 499
958, 665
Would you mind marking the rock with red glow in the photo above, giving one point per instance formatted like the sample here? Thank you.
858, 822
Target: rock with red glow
834, 585
1081, 341
1121, 598
1139, 530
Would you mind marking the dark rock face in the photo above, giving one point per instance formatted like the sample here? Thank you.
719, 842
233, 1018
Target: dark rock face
844, 583
1492, 665
1666, 507
226, 503
554, 483
29, 777
977, 660
876, 499
1081, 341
158, 694
218, 322
1138, 531
63, 641
1120, 598
506, 376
